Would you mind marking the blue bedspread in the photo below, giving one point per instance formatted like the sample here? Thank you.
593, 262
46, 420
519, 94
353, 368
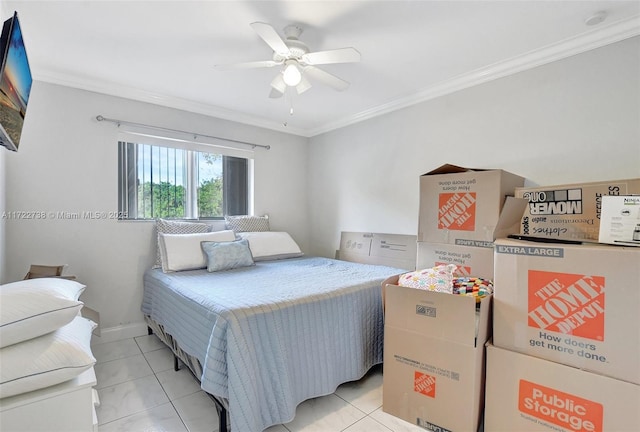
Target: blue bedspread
272, 335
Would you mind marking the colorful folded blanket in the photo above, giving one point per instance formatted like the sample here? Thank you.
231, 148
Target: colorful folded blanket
438, 278
442, 278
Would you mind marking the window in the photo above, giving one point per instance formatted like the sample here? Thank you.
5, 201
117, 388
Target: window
156, 181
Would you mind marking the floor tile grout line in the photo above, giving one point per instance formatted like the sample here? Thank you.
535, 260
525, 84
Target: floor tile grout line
380, 423
140, 348
179, 416
118, 358
360, 419
152, 373
171, 401
132, 414
155, 375
97, 387
361, 410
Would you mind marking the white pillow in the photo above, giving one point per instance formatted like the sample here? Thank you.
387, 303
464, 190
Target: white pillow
169, 226
34, 307
183, 251
271, 245
47, 360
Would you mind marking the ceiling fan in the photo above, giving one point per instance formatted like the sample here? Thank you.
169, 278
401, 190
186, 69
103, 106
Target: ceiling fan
298, 64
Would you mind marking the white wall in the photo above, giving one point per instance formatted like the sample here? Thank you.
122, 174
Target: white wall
3, 172
575, 120
68, 162
571, 121
2, 210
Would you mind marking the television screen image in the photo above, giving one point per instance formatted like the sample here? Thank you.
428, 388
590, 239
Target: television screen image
15, 84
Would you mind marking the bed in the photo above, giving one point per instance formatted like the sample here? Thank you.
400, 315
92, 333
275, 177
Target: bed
263, 338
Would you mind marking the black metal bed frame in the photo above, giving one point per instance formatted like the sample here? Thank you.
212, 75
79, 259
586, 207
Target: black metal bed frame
223, 425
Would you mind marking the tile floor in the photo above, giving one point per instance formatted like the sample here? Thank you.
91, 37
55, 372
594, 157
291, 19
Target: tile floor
140, 391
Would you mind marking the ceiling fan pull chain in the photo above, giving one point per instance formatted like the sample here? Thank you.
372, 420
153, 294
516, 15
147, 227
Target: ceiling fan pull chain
288, 97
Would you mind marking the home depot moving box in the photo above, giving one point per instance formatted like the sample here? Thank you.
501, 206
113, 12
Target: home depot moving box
525, 393
569, 211
462, 205
573, 304
476, 260
471, 261
434, 358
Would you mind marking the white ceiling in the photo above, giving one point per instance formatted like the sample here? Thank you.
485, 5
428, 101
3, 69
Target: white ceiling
164, 51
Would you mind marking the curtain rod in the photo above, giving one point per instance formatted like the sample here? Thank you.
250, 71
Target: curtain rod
195, 135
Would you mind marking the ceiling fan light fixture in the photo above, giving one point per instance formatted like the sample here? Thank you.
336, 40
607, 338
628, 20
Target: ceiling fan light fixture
292, 75
279, 84
296, 63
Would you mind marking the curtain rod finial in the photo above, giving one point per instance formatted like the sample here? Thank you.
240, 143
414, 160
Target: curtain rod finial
99, 118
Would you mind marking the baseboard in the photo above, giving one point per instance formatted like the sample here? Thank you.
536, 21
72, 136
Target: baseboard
125, 331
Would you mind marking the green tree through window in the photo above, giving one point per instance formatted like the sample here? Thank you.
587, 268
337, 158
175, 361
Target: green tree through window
163, 182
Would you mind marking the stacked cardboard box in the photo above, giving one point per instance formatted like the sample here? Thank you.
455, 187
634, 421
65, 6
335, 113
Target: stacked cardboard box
529, 394
434, 342
566, 320
459, 213
567, 338
571, 211
620, 221
434, 358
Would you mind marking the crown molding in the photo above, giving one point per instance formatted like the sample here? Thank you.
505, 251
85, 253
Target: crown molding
587, 41
126, 92
596, 38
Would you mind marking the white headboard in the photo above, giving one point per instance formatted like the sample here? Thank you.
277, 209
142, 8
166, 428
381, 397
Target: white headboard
394, 250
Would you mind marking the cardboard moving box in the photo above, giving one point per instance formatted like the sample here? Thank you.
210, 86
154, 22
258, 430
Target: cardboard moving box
573, 304
462, 205
620, 222
569, 211
525, 393
393, 250
471, 261
476, 260
434, 358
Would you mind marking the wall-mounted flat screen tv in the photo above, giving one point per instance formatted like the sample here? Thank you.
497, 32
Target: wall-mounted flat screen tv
15, 83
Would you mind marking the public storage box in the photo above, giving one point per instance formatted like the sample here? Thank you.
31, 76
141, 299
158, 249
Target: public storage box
462, 205
434, 358
569, 211
525, 393
620, 222
471, 261
572, 304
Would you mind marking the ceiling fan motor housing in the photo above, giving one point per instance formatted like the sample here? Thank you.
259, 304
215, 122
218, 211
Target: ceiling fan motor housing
296, 47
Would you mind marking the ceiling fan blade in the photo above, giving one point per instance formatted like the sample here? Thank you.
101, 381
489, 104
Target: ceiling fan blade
247, 65
271, 37
303, 86
275, 94
326, 78
340, 55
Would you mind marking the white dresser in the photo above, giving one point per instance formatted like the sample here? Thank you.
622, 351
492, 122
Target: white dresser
65, 407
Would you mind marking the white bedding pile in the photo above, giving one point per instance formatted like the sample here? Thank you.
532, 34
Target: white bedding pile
43, 339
